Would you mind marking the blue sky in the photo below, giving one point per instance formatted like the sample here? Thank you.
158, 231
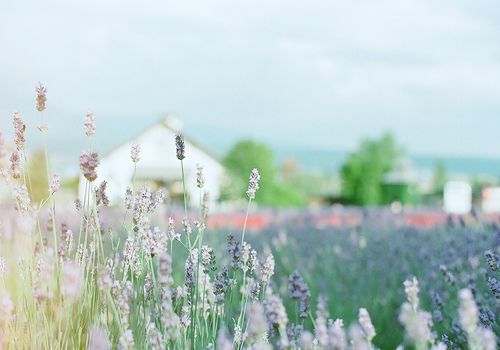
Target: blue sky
320, 74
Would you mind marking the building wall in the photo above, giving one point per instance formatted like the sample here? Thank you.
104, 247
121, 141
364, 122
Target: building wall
158, 157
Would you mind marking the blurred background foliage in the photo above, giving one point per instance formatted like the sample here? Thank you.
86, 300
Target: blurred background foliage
378, 172
361, 180
363, 172
39, 183
275, 189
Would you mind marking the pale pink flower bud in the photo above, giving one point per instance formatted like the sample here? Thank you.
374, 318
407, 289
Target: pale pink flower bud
89, 124
41, 97
55, 184
88, 163
135, 153
19, 129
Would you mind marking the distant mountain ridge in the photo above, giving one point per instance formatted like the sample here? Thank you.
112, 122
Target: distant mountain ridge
330, 162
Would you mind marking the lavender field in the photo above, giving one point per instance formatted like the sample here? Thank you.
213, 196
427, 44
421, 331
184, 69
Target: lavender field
92, 274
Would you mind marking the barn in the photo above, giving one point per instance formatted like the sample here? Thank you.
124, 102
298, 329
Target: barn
158, 166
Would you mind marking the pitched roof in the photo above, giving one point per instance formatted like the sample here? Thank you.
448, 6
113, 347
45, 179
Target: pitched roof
170, 122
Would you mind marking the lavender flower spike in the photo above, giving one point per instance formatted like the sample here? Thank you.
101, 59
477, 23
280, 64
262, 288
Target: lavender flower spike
180, 146
200, 179
253, 183
55, 184
41, 97
366, 324
88, 164
135, 152
19, 129
89, 124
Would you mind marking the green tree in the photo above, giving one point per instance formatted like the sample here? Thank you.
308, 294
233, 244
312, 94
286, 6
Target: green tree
363, 171
239, 162
440, 177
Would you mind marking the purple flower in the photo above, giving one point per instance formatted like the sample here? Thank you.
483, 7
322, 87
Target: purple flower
55, 184
15, 166
180, 146
135, 153
19, 129
100, 194
89, 124
41, 97
88, 163
253, 183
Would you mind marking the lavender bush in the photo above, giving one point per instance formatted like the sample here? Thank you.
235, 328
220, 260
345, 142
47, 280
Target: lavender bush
136, 285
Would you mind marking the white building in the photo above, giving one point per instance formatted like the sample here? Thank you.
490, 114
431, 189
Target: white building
457, 197
158, 166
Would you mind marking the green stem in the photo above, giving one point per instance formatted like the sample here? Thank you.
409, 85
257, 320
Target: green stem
245, 223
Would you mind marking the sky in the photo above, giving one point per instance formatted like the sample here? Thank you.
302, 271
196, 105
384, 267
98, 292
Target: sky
317, 74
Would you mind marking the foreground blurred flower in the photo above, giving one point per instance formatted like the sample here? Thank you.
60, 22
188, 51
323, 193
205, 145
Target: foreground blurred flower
55, 184
223, 340
276, 314
366, 324
2, 266
100, 194
358, 338
98, 339
6, 309
320, 328
478, 338
72, 281
180, 146
15, 165
19, 129
169, 319
88, 163
155, 340
3, 147
22, 198
336, 335
253, 183
256, 331
41, 97
411, 290
417, 322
